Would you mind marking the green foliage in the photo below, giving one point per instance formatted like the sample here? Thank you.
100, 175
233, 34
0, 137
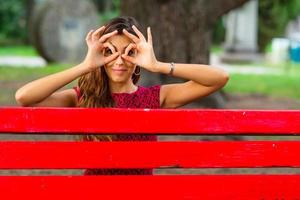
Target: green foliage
12, 19
273, 18
109, 14
18, 51
111, 11
219, 32
105, 5
108, 9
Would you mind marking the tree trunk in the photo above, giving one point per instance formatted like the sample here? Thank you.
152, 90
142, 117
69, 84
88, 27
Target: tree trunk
181, 33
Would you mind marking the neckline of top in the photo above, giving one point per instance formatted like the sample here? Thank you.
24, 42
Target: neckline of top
117, 93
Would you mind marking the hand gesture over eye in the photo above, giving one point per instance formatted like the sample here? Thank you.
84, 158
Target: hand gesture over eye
140, 52
108, 50
96, 44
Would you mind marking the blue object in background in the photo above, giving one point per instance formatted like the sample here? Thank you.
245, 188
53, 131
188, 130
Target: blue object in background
295, 51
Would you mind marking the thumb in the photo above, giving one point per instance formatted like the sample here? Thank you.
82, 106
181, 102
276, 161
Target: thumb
129, 58
111, 57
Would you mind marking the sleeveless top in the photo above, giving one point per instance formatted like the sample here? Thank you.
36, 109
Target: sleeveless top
143, 97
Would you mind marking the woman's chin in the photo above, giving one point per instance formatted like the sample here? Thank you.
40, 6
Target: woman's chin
119, 79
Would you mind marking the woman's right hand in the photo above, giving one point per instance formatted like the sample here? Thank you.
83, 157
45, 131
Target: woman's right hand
96, 44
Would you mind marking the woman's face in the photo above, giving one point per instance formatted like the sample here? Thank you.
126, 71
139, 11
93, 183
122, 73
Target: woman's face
119, 70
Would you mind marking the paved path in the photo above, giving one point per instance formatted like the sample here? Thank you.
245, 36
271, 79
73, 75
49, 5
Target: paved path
244, 69
22, 61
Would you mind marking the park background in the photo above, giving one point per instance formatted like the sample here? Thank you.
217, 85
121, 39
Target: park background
240, 36
256, 41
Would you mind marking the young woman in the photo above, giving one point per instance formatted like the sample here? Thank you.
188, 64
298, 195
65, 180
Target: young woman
108, 77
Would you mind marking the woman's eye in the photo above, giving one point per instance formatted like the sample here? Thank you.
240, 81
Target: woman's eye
107, 52
130, 53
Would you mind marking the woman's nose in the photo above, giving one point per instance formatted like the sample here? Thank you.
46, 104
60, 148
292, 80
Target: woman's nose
119, 59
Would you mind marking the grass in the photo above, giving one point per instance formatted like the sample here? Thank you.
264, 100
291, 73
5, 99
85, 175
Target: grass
217, 49
24, 73
13, 78
286, 84
18, 51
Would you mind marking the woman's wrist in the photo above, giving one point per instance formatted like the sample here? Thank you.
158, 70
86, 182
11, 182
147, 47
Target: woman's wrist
84, 68
164, 68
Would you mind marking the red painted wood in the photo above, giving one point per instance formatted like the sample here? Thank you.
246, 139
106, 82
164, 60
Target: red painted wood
57, 155
163, 121
80, 155
202, 187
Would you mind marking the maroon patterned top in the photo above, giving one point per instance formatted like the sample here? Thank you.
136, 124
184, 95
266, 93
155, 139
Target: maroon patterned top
143, 97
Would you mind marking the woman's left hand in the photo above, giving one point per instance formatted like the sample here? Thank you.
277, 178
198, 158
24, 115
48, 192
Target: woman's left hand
144, 57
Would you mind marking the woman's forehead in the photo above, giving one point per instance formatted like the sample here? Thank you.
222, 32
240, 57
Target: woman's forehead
119, 41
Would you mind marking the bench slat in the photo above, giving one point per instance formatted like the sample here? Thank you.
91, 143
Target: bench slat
151, 187
162, 121
79, 155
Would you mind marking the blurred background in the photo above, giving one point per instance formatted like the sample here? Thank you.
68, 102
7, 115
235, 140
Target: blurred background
256, 41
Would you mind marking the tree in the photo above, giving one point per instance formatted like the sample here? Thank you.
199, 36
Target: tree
181, 30
12, 20
270, 25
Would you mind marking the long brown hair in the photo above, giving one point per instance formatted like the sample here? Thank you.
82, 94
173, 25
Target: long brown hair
94, 86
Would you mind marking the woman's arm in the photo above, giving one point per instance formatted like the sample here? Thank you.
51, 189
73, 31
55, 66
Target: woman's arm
204, 80
42, 92
33, 93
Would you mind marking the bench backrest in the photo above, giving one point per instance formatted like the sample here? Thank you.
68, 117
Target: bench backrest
161, 154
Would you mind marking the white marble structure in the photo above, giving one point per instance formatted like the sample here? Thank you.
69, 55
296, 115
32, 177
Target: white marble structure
241, 28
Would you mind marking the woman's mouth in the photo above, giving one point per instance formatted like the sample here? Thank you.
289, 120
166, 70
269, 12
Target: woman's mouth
119, 70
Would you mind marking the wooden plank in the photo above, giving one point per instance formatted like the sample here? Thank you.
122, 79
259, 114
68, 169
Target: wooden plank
162, 121
203, 187
80, 155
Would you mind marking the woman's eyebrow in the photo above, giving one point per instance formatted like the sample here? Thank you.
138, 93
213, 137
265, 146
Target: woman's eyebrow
116, 47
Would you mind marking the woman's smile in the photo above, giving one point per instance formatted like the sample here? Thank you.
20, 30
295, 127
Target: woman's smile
118, 70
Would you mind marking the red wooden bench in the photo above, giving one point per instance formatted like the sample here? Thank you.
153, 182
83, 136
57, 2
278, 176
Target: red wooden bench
182, 154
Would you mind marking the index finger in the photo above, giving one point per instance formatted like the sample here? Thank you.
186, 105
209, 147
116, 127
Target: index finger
108, 45
98, 31
139, 33
88, 36
130, 47
149, 36
103, 38
131, 36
